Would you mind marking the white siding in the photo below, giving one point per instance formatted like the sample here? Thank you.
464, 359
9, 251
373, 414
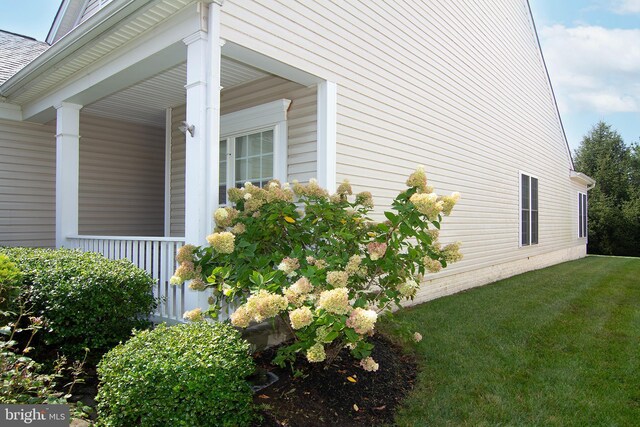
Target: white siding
121, 178
92, 7
457, 86
27, 184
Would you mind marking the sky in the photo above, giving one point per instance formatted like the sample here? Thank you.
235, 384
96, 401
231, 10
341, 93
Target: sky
591, 48
592, 52
31, 18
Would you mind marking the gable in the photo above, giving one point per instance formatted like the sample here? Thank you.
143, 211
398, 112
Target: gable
71, 14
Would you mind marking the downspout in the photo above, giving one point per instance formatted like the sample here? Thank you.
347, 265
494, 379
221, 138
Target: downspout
213, 106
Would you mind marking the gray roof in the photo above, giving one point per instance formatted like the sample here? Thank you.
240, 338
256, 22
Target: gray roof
16, 52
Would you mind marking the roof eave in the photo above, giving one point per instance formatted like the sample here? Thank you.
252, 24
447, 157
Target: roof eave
583, 179
81, 35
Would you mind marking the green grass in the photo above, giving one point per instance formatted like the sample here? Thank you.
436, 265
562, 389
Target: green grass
559, 346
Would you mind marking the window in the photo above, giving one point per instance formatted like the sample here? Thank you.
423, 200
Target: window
582, 215
253, 146
528, 210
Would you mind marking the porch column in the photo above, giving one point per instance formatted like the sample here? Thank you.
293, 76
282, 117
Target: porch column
67, 171
327, 129
202, 148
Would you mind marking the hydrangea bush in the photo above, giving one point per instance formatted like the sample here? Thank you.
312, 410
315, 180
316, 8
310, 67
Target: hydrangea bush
318, 261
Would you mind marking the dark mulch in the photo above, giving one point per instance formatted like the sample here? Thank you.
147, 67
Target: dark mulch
321, 397
326, 397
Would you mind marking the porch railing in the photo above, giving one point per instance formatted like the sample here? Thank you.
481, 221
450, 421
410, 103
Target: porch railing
156, 255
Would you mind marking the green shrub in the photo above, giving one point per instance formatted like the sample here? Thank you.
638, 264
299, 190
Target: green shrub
10, 277
86, 300
184, 375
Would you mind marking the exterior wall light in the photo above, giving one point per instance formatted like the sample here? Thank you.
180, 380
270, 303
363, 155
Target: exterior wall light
184, 127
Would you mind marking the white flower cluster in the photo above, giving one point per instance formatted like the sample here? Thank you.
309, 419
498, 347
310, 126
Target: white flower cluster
368, 364
259, 307
362, 321
335, 301
223, 242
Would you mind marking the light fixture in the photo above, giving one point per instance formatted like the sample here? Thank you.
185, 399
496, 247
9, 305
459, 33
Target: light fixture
184, 127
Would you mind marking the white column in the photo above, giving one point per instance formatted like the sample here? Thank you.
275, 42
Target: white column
327, 130
202, 148
67, 171
196, 217
167, 172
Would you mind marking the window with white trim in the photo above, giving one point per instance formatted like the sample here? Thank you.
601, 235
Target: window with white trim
528, 210
582, 215
253, 146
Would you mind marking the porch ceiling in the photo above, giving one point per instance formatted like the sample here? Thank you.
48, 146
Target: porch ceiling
145, 102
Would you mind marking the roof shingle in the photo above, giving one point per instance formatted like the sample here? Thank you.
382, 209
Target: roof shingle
16, 52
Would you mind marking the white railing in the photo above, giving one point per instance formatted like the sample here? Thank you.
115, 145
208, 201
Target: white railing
156, 255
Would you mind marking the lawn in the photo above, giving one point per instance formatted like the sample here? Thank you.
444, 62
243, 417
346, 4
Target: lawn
559, 346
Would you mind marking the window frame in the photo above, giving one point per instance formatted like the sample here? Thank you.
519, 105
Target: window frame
261, 118
529, 242
583, 215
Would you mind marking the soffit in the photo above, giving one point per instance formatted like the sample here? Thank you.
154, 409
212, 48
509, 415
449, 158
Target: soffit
120, 34
146, 101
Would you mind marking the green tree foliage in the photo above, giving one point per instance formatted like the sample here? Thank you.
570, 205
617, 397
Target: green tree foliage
614, 203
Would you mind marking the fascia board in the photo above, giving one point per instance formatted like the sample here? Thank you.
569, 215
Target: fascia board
581, 178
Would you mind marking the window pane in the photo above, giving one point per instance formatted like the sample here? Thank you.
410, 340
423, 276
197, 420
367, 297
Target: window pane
241, 146
584, 215
254, 158
267, 167
222, 195
534, 227
241, 170
254, 168
525, 192
222, 172
255, 144
223, 149
580, 228
267, 142
525, 227
534, 194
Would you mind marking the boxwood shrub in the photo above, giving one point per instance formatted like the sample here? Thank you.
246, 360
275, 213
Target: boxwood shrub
87, 300
184, 375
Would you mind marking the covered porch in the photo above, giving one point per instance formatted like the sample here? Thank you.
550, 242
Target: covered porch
152, 131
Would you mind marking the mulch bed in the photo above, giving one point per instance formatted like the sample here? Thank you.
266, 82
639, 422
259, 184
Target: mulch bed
321, 397
326, 397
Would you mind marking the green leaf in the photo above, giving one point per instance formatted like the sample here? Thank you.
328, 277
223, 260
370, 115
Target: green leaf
406, 229
352, 335
331, 336
391, 216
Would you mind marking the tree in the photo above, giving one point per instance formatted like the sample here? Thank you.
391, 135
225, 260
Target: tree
614, 204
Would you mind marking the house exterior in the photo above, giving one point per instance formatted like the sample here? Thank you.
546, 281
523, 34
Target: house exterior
125, 133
